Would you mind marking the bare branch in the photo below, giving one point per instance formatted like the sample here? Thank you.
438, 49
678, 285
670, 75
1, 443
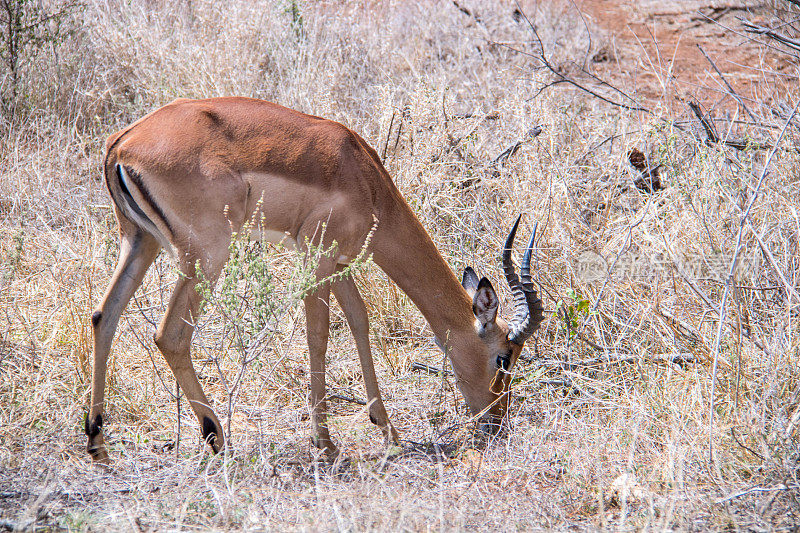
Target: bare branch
562, 78
420, 367
794, 44
728, 85
680, 359
708, 126
511, 150
712, 137
346, 398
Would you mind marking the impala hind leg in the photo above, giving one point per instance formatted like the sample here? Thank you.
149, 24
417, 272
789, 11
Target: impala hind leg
317, 328
138, 250
351, 303
174, 339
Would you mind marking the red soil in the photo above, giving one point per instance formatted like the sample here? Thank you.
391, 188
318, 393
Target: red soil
654, 47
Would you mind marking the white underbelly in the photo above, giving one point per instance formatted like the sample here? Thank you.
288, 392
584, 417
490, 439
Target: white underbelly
273, 236
284, 238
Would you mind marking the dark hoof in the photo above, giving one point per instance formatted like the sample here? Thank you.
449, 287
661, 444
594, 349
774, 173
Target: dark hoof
93, 429
99, 455
327, 447
210, 435
96, 446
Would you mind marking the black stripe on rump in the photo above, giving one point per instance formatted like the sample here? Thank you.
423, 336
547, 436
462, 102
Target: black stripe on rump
137, 180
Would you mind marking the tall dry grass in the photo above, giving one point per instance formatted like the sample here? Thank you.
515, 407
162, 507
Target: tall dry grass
605, 432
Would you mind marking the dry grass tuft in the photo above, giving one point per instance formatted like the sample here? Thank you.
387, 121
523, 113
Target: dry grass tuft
610, 417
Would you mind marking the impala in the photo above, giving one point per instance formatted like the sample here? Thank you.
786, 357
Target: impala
188, 175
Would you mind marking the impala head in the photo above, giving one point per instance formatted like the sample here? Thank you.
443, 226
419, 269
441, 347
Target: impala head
486, 389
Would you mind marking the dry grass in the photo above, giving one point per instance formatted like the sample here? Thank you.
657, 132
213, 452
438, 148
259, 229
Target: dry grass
594, 443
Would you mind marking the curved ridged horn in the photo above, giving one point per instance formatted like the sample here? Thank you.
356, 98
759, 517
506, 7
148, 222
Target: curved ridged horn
527, 305
520, 305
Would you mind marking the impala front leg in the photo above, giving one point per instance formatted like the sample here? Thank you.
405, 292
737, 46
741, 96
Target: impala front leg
351, 303
138, 250
317, 326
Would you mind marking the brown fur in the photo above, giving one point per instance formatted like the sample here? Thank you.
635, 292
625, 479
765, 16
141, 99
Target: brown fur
207, 167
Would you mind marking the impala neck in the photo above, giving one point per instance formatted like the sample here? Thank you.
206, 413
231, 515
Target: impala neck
404, 250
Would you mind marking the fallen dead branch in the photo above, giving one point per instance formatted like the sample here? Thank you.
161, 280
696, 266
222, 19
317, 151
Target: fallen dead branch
750, 27
511, 150
713, 137
758, 490
421, 367
346, 398
681, 359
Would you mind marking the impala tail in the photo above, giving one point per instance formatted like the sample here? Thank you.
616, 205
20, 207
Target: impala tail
125, 185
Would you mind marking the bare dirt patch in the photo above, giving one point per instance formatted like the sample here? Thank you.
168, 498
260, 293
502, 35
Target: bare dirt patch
656, 47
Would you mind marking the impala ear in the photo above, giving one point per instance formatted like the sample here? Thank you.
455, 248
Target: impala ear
469, 280
485, 302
